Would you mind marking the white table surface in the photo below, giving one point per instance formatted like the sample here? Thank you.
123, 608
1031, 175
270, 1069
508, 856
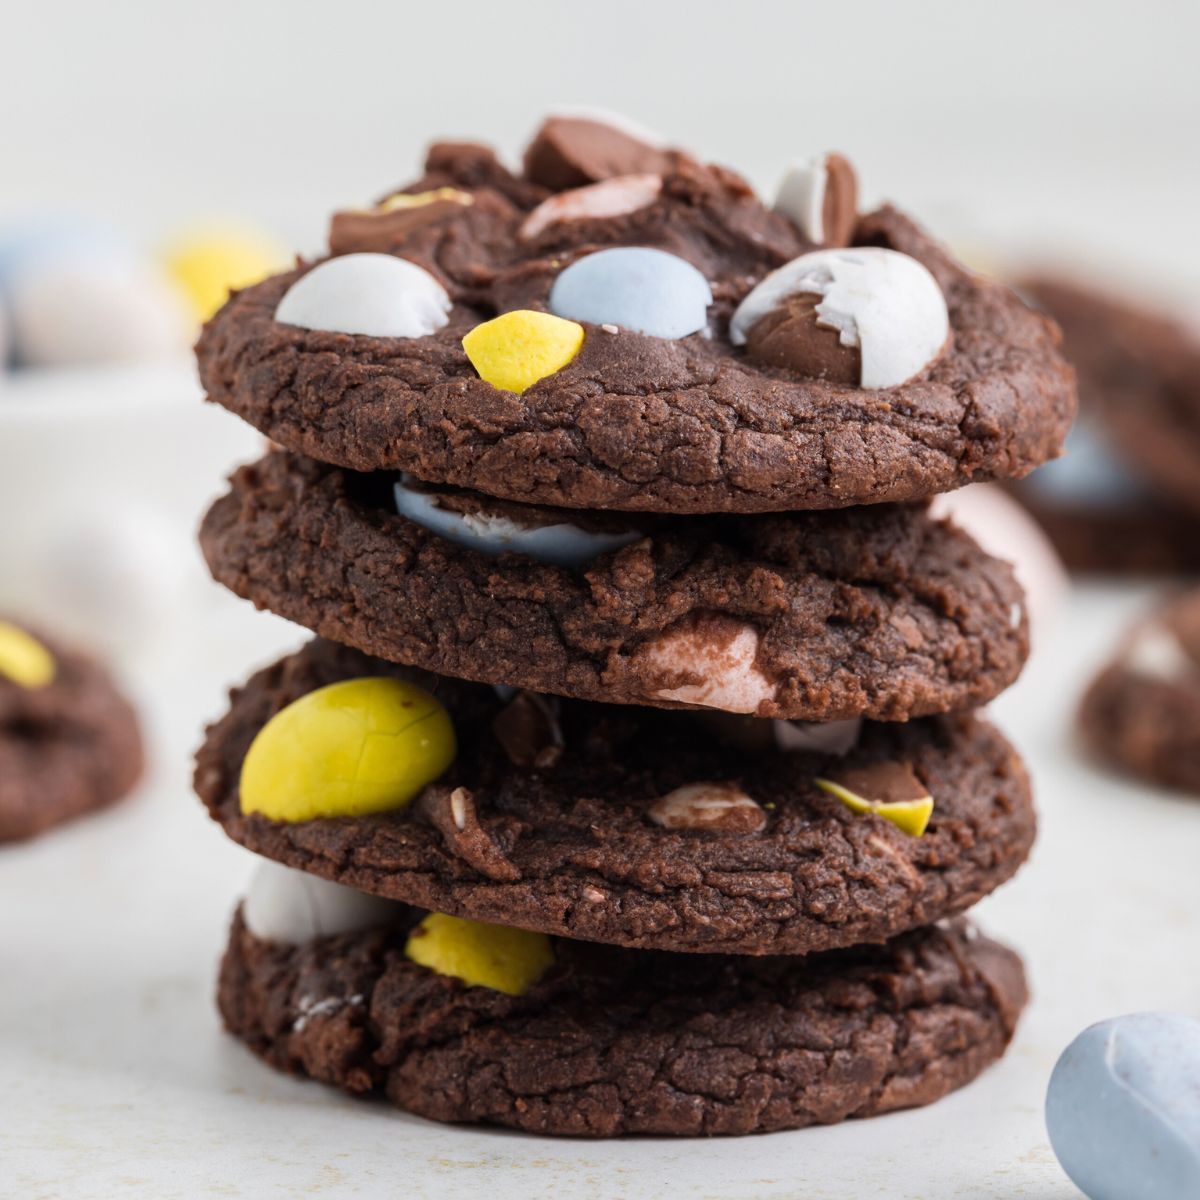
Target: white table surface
116, 1080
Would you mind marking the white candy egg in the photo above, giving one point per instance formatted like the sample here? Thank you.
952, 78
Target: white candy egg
374, 294
93, 308
293, 907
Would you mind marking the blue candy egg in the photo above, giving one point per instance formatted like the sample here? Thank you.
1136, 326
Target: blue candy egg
1123, 1108
635, 287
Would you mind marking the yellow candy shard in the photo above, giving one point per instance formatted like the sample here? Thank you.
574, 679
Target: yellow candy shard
23, 659
491, 956
355, 747
209, 265
909, 816
419, 199
513, 351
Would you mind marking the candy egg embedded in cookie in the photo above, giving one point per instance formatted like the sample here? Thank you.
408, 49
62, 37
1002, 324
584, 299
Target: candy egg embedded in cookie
377, 295
517, 349
864, 315
491, 956
636, 288
354, 747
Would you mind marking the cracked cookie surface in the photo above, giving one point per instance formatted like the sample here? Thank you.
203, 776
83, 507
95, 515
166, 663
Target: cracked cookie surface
882, 612
634, 422
571, 847
66, 748
619, 1042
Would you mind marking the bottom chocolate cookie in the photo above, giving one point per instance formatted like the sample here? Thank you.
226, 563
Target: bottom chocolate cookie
69, 741
1142, 712
608, 1041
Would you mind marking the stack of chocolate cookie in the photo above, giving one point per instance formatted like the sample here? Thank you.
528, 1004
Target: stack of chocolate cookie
632, 783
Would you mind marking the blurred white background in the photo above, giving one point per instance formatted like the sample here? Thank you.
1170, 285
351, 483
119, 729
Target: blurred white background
1066, 128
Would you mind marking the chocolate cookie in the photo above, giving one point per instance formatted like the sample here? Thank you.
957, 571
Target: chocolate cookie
881, 612
1142, 713
691, 421
69, 740
624, 1041
1125, 497
567, 817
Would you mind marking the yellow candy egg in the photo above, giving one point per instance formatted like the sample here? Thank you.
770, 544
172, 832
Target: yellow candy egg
513, 351
206, 266
491, 956
23, 659
909, 816
355, 747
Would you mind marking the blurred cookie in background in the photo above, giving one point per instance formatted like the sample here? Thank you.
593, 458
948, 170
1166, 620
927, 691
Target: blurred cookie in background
1125, 497
69, 740
1142, 712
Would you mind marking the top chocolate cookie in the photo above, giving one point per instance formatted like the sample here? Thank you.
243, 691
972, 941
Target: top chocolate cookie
665, 341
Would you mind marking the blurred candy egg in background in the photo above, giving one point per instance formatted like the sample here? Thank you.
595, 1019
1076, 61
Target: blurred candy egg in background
207, 262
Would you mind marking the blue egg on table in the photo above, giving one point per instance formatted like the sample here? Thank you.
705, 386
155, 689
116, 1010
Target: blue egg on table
638, 288
1123, 1108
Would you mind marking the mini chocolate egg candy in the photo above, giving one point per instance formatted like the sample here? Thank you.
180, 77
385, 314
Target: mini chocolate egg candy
890, 790
1123, 1108
636, 287
719, 807
606, 199
562, 544
359, 746
821, 198
23, 659
818, 737
289, 906
709, 660
516, 349
90, 308
378, 295
491, 956
392, 220
1005, 529
861, 315
208, 264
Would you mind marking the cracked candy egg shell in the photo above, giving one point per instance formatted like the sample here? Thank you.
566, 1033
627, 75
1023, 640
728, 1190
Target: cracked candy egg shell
635, 422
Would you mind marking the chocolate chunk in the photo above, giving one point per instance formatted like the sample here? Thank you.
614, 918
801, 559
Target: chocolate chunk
882, 782
839, 212
567, 152
388, 226
719, 807
527, 727
451, 811
792, 337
